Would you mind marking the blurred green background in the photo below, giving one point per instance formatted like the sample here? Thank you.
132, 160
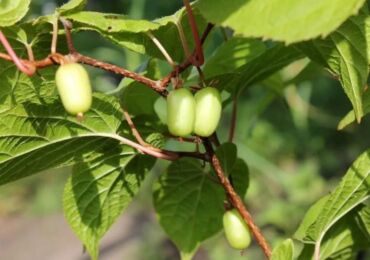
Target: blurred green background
286, 133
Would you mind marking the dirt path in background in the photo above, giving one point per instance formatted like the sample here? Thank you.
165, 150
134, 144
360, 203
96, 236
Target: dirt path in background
50, 238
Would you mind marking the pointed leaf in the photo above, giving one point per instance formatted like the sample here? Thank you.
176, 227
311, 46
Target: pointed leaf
352, 191
343, 240
351, 117
345, 54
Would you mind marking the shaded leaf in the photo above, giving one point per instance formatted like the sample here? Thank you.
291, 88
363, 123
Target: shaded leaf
240, 177
233, 54
138, 99
283, 251
98, 191
226, 153
350, 117
189, 204
363, 221
256, 69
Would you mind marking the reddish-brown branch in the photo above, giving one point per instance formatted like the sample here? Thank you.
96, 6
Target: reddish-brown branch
121, 71
235, 200
49, 61
233, 120
197, 59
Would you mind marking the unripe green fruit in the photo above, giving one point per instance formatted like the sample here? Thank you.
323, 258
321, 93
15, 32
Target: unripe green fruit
207, 111
236, 230
180, 112
74, 88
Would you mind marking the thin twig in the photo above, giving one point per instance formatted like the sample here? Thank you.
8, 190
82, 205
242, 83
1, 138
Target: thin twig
134, 130
21, 65
31, 57
67, 28
162, 49
199, 57
54, 37
235, 200
186, 64
183, 40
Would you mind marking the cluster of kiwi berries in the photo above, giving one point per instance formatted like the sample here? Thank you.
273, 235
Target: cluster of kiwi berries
198, 114
186, 114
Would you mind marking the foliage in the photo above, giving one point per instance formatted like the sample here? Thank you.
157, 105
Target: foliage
270, 50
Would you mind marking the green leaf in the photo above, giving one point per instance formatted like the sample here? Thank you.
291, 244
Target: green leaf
288, 21
138, 99
226, 153
350, 117
352, 191
256, 69
343, 240
17, 87
235, 168
363, 221
345, 54
11, 11
72, 6
156, 139
133, 34
189, 204
309, 219
283, 251
35, 137
240, 177
233, 54
97, 192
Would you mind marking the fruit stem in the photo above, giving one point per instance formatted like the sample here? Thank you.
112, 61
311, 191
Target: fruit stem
80, 117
